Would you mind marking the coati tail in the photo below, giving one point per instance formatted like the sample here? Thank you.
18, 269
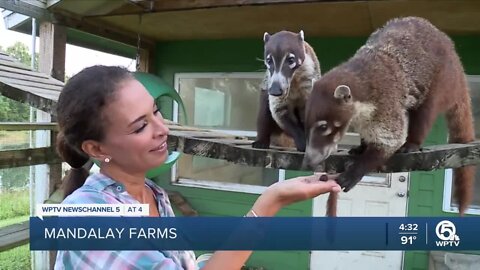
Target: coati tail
332, 204
461, 130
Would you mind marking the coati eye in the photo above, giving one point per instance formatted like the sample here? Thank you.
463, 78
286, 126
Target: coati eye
291, 61
269, 61
323, 127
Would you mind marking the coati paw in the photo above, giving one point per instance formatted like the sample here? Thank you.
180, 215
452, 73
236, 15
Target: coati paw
301, 148
357, 150
260, 145
409, 147
347, 181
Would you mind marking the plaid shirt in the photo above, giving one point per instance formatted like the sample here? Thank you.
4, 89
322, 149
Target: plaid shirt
99, 188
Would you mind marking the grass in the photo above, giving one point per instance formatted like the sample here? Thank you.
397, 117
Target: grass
15, 220
14, 204
15, 208
16, 258
14, 139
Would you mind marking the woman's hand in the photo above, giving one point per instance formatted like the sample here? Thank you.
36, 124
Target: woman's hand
294, 190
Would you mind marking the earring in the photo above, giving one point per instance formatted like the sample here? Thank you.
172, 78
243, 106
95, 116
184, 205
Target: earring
107, 160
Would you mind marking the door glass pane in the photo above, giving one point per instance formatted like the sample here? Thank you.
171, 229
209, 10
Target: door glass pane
225, 102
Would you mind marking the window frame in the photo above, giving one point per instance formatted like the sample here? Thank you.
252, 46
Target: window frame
208, 184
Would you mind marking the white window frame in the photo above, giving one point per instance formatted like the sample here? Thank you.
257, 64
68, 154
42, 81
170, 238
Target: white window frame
252, 189
208, 184
448, 183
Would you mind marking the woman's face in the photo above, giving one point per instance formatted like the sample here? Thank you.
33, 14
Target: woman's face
135, 133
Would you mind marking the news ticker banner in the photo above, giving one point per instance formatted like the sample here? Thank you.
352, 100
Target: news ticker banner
103, 210
278, 233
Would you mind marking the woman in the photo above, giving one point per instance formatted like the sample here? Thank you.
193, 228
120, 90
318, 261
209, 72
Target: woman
105, 114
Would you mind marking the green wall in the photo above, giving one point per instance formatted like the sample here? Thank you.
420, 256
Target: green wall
426, 188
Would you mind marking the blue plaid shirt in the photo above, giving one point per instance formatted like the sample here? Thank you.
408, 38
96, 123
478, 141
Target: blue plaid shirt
99, 188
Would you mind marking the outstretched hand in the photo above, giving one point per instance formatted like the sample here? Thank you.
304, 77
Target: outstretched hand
303, 188
294, 190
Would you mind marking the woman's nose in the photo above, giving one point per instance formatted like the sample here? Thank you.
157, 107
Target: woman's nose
161, 128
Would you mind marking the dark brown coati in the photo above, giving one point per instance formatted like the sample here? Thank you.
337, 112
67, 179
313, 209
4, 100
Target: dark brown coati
391, 92
292, 65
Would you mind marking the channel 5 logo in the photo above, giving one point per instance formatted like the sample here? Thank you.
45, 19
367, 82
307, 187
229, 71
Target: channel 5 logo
447, 233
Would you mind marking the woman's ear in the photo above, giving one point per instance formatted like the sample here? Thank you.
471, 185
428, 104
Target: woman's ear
94, 149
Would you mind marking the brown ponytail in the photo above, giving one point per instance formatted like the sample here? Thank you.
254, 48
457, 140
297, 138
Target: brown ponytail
80, 116
77, 175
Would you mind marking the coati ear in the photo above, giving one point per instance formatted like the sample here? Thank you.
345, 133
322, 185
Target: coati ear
343, 92
301, 35
266, 37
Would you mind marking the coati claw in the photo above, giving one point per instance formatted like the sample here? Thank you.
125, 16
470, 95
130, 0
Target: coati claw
260, 145
408, 148
347, 182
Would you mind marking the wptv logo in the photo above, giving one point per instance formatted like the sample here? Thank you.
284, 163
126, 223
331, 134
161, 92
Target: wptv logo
447, 233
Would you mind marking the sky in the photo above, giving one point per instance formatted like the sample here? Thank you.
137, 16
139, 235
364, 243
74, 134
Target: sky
77, 58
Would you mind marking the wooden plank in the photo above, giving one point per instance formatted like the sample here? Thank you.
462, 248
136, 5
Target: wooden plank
6, 58
100, 28
16, 126
203, 134
28, 78
14, 65
431, 158
14, 235
24, 96
175, 5
26, 8
31, 84
24, 72
238, 142
44, 93
28, 157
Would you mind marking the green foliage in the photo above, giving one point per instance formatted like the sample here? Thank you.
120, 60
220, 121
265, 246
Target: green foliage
17, 258
14, 204
14, 178
21, 52
11, 110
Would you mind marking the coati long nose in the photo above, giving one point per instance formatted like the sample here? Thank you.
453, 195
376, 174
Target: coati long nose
275, 89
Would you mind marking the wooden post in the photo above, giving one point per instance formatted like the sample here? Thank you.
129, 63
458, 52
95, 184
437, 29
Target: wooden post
53, 40
146, 60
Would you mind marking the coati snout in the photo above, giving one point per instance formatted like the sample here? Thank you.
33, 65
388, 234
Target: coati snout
284, 53
327, 121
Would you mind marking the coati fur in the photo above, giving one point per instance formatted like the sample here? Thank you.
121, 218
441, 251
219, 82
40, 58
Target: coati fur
391, 91
292, 65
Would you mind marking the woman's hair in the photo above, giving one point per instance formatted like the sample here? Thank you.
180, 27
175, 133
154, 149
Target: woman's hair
80, 116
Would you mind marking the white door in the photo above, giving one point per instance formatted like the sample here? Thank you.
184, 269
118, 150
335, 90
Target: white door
380, 195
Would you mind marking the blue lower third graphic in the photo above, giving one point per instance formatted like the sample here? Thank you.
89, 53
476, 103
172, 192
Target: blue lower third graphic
279, 233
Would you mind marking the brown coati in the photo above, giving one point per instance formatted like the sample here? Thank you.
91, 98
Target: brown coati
391, 92
292, 65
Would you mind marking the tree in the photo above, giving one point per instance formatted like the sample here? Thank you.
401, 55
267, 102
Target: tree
21, 52
11, 110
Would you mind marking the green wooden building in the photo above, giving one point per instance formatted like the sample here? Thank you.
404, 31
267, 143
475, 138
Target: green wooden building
210, 52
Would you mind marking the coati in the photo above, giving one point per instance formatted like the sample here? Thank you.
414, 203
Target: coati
391, 92
292, 65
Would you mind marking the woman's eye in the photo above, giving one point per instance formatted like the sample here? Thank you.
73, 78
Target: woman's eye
141, 128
